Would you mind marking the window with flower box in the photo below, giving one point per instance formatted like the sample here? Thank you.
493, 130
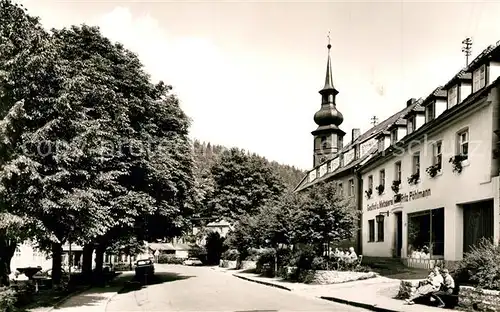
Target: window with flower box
463, 143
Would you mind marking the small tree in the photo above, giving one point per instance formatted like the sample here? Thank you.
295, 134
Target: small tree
325, 217
245, 235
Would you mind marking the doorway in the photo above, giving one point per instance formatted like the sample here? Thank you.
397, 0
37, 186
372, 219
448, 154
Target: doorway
399, 233
478, 223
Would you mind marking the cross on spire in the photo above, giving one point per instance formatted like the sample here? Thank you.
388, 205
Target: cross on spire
374, 120
329, 43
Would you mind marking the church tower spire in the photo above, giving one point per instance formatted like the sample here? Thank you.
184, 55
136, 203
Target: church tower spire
328, 138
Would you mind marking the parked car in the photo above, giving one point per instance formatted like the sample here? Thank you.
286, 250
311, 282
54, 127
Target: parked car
192, 262
144, 267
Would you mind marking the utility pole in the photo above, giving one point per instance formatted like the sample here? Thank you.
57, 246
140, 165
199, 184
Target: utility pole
467, 49
374, 120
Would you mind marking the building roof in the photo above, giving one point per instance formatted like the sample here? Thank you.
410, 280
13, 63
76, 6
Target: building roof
450, 113
161, 246
168, 246
221, 223
490, 50
366, 136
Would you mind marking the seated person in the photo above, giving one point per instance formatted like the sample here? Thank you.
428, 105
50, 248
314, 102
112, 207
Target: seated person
351, 257
429, 286
447, 287
337, 253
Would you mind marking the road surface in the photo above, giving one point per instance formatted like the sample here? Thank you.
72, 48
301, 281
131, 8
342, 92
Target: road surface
181, 288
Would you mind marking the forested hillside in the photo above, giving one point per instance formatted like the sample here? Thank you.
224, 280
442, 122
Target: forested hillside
206, 154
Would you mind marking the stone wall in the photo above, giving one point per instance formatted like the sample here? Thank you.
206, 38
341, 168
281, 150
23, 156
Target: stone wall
228, 264
473, 299
248, 265
335, 277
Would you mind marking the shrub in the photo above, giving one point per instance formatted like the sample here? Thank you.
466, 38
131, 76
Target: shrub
230, 255
481, 265
253, 254
7, 299
169, 259
265, 262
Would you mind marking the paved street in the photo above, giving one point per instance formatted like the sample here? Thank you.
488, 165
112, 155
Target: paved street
181, 288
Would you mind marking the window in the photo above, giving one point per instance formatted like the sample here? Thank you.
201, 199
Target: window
370, 182
437, 155
381, 144
430, 112
382, 177
351, 187
452, 96
394, 136
397, 171
324, 144
341, 188
426, 234
463, 143
380, 229
479, 78
416, 163
411, 124
371, 229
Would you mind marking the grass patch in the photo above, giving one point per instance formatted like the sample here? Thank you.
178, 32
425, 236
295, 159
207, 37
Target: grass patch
394, 268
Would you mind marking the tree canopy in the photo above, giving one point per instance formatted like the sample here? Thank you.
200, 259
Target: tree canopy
90, 146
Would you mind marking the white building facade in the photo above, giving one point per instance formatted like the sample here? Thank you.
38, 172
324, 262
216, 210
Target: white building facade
433, 189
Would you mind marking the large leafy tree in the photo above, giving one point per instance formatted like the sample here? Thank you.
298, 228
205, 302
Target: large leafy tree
242, 184
23, 48
92, 149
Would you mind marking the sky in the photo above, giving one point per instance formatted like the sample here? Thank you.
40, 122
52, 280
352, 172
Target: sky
248, 73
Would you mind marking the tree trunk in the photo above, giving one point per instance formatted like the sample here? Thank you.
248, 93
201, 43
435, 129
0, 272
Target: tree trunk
7, 250
88, 249
99, 262
56, 264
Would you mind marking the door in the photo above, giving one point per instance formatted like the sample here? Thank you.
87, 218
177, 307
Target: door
478, 223
399, 233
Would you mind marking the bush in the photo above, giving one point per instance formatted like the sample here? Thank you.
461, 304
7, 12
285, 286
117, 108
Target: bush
481, 265
230, 255
169, 259
253, 254
8, 299
265, 262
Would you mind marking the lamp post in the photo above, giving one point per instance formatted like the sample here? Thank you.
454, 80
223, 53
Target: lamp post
379, 218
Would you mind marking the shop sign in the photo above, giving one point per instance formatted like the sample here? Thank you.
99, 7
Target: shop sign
404, 197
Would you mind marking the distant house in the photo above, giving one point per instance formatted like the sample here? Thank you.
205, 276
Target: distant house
179, 250
28, 255
222, 227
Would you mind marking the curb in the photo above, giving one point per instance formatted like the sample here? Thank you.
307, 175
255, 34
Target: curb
367, 306
67, 297
76, 293
261, 282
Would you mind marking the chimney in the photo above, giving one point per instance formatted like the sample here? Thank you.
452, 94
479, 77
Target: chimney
410, 102
356, 132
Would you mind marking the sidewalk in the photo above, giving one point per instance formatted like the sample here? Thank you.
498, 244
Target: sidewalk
92, 300
375, 294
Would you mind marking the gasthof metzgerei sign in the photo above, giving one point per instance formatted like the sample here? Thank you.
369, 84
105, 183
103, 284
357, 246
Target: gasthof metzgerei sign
405, 197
